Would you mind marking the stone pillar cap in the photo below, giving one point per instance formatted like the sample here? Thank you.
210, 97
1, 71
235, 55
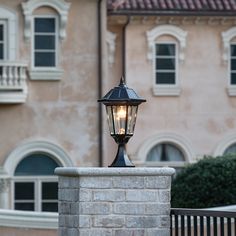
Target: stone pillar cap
105, 171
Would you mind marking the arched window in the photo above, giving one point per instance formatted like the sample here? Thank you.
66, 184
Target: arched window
226, 146
35, 187
231, 149
165, 152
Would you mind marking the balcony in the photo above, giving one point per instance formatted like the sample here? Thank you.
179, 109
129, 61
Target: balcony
13, 87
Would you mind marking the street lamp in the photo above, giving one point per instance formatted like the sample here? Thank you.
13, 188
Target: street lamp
121, 106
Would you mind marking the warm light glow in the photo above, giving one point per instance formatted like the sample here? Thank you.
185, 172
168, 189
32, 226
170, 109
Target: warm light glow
121, 119
121, 112
121, 131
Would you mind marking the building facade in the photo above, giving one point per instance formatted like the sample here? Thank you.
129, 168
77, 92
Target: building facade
58, 57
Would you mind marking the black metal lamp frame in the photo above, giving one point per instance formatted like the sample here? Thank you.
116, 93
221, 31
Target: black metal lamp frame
121, 96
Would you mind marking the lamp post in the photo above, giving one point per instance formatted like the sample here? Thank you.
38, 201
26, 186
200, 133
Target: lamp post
121, 106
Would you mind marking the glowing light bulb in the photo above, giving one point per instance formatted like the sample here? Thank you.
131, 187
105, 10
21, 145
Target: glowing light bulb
121, 118
121, 112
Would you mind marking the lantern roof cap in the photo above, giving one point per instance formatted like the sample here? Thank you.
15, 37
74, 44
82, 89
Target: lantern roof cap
122, 94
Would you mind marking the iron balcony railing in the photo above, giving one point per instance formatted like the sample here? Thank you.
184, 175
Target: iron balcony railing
194, 222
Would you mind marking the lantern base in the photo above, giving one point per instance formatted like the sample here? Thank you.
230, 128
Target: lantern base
122, 159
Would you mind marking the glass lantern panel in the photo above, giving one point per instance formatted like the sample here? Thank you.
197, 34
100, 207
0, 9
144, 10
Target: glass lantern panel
132, 114
119, 117
110, 119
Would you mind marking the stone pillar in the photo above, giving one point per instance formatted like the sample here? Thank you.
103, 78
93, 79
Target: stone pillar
114, 201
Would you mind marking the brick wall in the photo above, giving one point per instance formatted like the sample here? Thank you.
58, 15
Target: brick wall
114, 201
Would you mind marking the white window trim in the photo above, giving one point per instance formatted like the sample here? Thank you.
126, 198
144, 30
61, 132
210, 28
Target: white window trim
172, 30
224, 144
25, 149
227, 36
231, 88
11, 20
177, 140
4, 41
111, 43
60, 6
152, 39
37, 188
46, 73
37, 68
166, 89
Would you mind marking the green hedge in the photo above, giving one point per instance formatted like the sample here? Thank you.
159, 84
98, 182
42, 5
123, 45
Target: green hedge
208, 183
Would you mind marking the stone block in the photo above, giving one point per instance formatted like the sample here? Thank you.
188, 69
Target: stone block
95, 182
68, 231
132, 232
85, 195
157, 208
142, 221
95, 232
164, 221
73, 232
129, 209
62, 231
71, 221
64, 207
109, 195
164, 196
64, 182
128, 182
109, 221
88, 208
84, 221
157, 182
62, 221
73, 208
158, 232
68, 182
141, 195
69, 195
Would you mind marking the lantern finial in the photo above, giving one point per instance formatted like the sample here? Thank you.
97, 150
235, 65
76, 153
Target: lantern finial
122, 82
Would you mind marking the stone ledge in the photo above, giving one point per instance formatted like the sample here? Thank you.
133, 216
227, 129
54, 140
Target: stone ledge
105, 171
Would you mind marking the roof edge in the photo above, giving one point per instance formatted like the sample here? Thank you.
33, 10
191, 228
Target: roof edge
169, 13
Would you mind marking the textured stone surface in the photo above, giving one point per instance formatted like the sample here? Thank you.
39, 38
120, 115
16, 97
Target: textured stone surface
109, 195
141, 196
101, 204
109, 221
129, 208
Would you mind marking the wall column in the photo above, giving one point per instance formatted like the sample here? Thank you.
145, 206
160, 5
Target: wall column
114, 201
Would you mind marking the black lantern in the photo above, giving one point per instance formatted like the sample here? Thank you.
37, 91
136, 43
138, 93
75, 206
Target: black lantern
122, 106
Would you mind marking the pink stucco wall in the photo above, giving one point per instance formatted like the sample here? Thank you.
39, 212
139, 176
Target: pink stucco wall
203, 113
